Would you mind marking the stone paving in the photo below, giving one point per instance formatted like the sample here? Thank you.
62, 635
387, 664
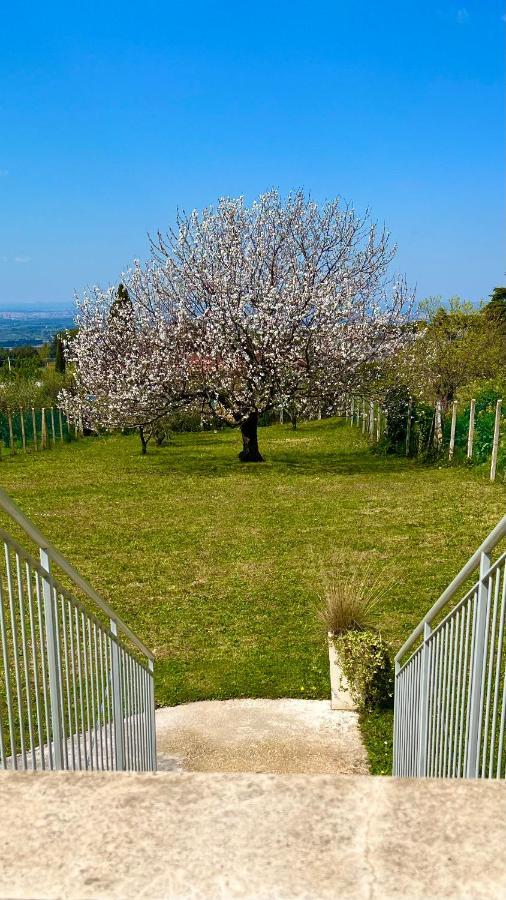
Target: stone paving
273, 736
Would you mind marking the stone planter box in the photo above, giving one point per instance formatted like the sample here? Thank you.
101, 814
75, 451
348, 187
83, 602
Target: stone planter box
340, 697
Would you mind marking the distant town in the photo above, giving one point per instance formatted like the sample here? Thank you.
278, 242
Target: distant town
19, 328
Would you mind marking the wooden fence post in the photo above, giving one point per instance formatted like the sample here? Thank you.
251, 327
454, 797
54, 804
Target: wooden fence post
495, 443
408, 426
53, 430
364, 416
452, 430
23, 433
371, 419
378, 422
11, 432
61, 425
34, 426
438, 425
281, 416
43, 433
470, 435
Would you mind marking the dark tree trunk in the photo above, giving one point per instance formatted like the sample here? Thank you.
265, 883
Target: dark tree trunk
144, 442
250, 451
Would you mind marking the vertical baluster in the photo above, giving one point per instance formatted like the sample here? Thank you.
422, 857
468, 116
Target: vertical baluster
89, 756
100, 747
8, 690
70, 730
61, 674
472, 638
498, 673
152, 716
117, 698
35, 660
83, 697
459, 694
103, 692
94, 743
26, 658
490, 668
44, 663
15, 654
77, 731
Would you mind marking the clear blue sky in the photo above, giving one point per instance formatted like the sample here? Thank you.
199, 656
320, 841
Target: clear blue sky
114, 114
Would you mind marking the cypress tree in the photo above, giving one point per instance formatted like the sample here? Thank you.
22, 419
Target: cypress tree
59, 364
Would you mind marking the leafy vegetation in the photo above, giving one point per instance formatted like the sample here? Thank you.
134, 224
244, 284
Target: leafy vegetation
217, 566
367, 666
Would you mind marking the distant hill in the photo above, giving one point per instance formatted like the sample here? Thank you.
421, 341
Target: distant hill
18, 328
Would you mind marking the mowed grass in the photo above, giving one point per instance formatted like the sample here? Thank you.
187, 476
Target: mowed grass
218, 566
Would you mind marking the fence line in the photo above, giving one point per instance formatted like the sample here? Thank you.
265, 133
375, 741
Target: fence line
35, 429
374, 425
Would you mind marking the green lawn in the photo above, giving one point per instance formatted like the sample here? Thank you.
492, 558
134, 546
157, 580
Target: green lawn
217, 565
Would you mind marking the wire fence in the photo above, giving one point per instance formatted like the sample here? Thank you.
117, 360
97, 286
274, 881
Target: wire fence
34, 429
471, 432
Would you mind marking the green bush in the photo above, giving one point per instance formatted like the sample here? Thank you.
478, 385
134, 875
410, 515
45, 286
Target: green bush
182, 420
366, 664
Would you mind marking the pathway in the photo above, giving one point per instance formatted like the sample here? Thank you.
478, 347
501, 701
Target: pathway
268, 736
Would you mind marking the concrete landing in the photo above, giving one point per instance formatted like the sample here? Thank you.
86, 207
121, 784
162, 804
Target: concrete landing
221, 837
271, 736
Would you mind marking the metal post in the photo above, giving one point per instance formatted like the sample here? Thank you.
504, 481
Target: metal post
117, 700
424, 703
452, 430
479, 656
495, 443
152, 716
470, 436
52, 663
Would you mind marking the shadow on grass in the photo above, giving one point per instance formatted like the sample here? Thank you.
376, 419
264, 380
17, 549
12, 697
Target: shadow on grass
305, 452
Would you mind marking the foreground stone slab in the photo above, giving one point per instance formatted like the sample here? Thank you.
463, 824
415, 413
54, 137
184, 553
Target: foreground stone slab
249, 836
273, 736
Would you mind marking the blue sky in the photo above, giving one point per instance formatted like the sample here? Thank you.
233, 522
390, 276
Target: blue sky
112, 115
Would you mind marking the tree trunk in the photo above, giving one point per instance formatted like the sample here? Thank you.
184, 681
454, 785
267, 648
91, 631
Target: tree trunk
250, 451
144, 442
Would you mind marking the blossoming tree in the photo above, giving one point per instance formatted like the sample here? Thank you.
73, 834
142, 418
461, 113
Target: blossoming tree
245, 308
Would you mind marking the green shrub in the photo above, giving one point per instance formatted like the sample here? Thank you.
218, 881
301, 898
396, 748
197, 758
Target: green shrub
366, 664
182, 420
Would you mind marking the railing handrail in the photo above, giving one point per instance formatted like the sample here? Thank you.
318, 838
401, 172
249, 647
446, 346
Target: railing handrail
59, 560
473, 563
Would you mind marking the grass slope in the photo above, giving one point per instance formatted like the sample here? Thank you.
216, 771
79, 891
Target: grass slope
217, 565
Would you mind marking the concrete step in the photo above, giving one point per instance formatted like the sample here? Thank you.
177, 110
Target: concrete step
103, 835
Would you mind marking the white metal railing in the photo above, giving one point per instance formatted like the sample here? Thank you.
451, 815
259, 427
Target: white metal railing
76, 685
450, 694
